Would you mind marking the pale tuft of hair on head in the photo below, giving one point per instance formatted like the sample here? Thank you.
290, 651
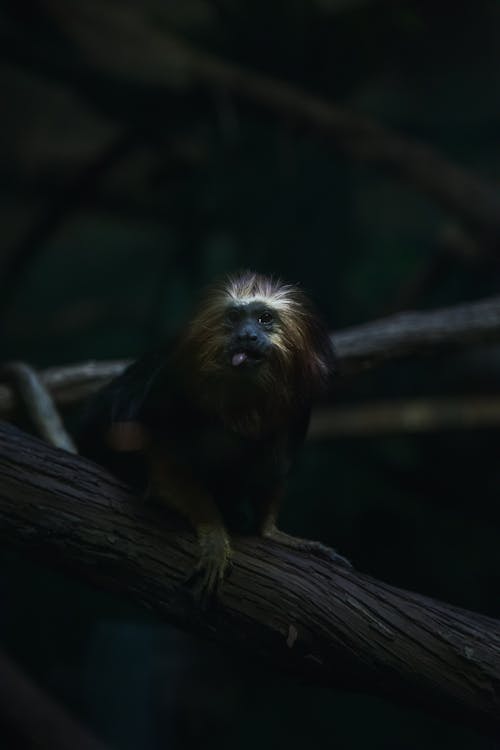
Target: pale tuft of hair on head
249, 287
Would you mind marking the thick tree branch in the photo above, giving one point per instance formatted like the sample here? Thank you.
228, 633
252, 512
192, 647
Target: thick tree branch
328, 625
158, 58
407, 333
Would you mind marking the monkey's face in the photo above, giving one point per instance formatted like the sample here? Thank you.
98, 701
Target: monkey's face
249, 328
254, 330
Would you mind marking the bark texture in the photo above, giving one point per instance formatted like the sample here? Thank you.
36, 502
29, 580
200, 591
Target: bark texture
328, 625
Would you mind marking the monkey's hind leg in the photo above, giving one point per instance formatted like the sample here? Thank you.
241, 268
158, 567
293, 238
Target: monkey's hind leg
268, 511
182, 494
307, 545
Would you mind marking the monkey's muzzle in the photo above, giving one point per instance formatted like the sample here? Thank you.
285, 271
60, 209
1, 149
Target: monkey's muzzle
246, 357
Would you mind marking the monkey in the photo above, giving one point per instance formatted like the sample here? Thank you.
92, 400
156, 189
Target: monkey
220, 416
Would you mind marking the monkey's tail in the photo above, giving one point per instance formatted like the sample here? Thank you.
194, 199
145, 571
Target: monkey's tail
35, 399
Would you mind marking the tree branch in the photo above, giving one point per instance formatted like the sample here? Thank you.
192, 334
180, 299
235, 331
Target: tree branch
41, 231
158, 58
328, 625
407, 333
37, 400
358, 348
405, 416
68, 385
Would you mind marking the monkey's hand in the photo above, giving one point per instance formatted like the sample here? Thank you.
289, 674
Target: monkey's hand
306, 545
214, 562
175, 487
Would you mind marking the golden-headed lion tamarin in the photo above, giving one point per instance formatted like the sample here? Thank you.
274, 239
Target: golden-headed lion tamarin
222, 415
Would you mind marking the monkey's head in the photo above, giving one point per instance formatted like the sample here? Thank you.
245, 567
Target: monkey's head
253, 331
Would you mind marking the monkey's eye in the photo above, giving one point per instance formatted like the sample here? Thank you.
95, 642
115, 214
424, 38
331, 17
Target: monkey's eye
265, 318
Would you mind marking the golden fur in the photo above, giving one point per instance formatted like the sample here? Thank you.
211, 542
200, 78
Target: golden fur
301, 357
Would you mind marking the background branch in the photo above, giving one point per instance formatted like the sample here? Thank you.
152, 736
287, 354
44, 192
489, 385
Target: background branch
325, 624
21, 255
358, 348
68, 385
36, 399
408, 416
158, 58
406, 333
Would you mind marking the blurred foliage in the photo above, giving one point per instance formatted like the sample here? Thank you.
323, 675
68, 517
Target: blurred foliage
189, 183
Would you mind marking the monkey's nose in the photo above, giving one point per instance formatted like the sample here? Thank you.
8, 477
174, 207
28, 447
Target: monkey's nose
247, 335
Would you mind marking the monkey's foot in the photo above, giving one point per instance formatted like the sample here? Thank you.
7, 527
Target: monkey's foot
213, 565
307, 545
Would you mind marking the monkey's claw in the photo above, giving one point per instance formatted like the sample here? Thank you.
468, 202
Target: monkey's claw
212, 567
327, 553
307, 545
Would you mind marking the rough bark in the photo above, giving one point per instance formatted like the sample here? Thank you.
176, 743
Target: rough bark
328, 625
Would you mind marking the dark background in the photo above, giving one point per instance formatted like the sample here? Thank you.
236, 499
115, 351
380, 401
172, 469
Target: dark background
125, 186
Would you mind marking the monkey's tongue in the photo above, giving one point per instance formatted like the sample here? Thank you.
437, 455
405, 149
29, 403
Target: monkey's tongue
238, 358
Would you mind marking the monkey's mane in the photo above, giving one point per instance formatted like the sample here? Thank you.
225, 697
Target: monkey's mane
301, 359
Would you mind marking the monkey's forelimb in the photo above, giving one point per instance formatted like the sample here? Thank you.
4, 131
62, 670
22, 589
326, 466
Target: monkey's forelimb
173, 486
